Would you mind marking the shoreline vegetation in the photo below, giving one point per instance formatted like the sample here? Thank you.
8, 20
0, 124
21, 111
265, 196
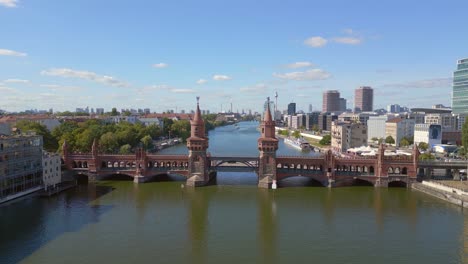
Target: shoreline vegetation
113, 138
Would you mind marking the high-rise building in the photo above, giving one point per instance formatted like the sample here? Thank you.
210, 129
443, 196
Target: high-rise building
310, 108
342, 105
331, 101
291, 108
364, 99
394, 108
460, 88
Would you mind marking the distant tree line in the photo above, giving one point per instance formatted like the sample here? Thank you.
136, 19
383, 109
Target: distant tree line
121, 138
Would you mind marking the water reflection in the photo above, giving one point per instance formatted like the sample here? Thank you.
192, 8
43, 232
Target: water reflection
197, 223
267, 227
29, 224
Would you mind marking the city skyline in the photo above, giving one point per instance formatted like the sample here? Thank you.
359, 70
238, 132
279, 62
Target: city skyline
148, 55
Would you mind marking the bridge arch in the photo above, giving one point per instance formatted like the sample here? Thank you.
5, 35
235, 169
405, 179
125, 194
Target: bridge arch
361, 182
402, 184
300, 181
117, 177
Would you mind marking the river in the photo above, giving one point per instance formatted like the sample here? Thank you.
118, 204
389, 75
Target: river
232, 222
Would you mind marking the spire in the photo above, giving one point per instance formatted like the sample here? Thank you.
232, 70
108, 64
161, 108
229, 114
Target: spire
197, 116
94, 147
268, 113
64, 147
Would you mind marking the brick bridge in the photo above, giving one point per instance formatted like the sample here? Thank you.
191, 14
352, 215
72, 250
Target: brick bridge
199, 167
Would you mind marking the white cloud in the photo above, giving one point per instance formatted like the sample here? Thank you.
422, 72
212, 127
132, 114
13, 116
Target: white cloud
9, 3
348, 31
348, 40
160, 65
260, 87
175, 90
312, 74
299, 64
61, 88
6, 52
7, 89
218, 77
16, 81
86, 75
201, 81
424, 84
315, 42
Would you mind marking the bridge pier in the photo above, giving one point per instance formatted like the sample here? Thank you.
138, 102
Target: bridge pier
139, 179
381, 182
197, 179
428, 173
331, 183
265, 182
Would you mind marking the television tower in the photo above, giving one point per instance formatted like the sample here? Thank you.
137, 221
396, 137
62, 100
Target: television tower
276, 104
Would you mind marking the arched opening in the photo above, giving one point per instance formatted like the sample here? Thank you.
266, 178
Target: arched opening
103, 164
82, 179
397, 171
118, 177
80, 165
404, 171
85, 164
299, 181
122, 164
390, 170
164, 177
360, 182
74, 165
371, 169
400, 184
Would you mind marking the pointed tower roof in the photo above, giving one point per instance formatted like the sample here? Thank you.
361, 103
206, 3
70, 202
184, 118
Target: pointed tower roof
197, 117
268, 112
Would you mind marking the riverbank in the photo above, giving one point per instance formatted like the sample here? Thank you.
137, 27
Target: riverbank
314, 140
449, 191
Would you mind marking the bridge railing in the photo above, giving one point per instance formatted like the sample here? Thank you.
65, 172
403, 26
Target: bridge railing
301, 171
442, 162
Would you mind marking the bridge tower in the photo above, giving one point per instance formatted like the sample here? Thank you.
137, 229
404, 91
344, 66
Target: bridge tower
267, 145
65, 153
197, 145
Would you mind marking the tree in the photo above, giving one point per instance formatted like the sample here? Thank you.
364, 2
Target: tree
374, 139
465, 135
426, 156
181, 128
423, 146
50, 143
114, 112
109, 143
296, 134
283, 132
404, 142
125, 149
315, 128
147, 142
326, 140
389, 140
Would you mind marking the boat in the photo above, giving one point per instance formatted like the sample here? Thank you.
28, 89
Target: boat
299, 143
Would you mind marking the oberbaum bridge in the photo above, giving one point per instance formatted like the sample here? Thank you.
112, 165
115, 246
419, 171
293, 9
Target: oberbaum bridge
199, 167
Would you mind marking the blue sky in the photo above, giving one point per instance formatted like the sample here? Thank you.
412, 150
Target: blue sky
162, 54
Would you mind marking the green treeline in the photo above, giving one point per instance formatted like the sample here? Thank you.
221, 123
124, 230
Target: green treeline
120, 138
